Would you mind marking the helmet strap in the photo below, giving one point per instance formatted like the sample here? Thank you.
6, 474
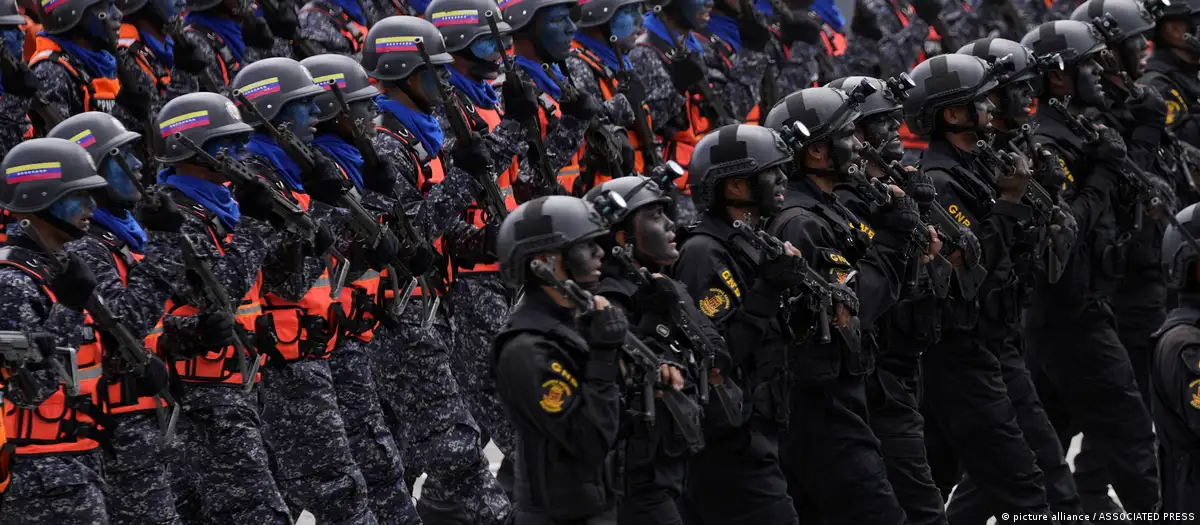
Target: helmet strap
63, 226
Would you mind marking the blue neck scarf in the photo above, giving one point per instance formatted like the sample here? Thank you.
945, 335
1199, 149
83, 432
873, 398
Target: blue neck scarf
214, 197
830, 13
726, 28
124, 227
765, 7
162, 50
541, 78
229, 31
602, 50
654, 25
99, 63
480, 92
344, 154
351, 8
264, 146
424, 126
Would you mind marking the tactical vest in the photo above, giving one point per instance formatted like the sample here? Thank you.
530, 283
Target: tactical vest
216, 366
230, 66
61, 423
484, 121
131, 40
1178, 445
352, 31
99, 93
608, 88
726, 53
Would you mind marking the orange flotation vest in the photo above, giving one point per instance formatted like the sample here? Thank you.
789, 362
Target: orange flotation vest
484, 120
608, 88
130, 39
99, 93
354, 32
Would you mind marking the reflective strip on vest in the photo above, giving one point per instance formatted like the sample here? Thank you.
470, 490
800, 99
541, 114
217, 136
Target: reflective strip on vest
102, 95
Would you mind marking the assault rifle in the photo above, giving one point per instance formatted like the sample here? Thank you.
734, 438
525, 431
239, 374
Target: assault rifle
661, 172
702, 86
208, 80
1044, 204
131, 351
18, 349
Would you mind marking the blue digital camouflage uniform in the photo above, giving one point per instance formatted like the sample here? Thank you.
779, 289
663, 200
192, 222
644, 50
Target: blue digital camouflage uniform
563, 138
183, 82
13, 121
61, 489
738, 84
896, 52
319, 29
616, 110
65, 96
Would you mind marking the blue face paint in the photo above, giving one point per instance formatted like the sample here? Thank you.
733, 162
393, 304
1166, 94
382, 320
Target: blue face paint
430, 79
484, 48
233, 146
103, 23
73, 208
14, 41
557, 30
626, 22
298, 116
120, 183
692, 11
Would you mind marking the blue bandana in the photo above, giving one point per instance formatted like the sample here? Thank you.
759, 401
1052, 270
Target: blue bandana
344, 154
214, 197
229, 31
264, 146
162, 50
425, 127
654, 25
830, 13
351, 8
726, 28
765, 7
98, 63
541, 78
125, 228
480, 93
419, 6
602, 50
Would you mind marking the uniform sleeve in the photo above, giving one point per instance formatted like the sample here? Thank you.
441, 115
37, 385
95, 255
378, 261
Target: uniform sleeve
665, 102
615, 110
62, 94
320, 31
151, 282
209, 56
23, 307
742, 80
431, 214
292, 284
800, 70
578, 410
1089, 198
13, 121
1191, 387
997, 233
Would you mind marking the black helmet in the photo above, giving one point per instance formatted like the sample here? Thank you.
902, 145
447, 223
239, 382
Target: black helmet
544, 225
198, 116
947, 81
99, 133
634, 192
242, 6
39, 172
350, 77
162, 9
1071, 39
391, 50
598, 12
1174, 8
272, 82
1025, 66
1117, 19
518, 13
888, 96
734, 151
1178, 256
817, 111
462, 21
10, 15
60, 16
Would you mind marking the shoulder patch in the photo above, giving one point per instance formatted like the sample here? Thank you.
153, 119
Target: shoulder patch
1194, 390
959, 214
727, 278
555, 394
715, 302
1176, 106
559, 369
1067, 171
833, 258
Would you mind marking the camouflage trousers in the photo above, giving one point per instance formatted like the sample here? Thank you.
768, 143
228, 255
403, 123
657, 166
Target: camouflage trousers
307, 446
371, 441
481, 307
139, 474
58, 490
416, 383
227, 478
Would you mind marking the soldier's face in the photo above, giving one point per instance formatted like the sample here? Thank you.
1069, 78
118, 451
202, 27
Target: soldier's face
299, 117
120, 184
556, 30
234, 147
1014, 103
844, 148
654, 235
882, 132
1087, 83
696, 12
1133, 54
626, 23
14, 41
582, 263
364, 111
772, 186
102, 22
76, 209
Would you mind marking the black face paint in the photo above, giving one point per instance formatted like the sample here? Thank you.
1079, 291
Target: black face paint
1016, 104
1087, 84
582, 263
1134, 52
364, 111
769, 187
882, 132
654, 236
843, 152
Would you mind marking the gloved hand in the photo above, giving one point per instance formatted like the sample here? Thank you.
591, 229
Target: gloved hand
1109, 147
1012, 185
686, 73
187, 57
165, 216
472, 156
605, 329
256, 200
928, 10
74, 285
1149, 110
154, 378
583, 106
783, 272
131, 78
216, 331
19, 80
256, 33
322, 240
660, 295
519, 99
864, 24
803, 27
418, 258
281, 18
325, 182
900, 215
754, 32
634, 90
385, 252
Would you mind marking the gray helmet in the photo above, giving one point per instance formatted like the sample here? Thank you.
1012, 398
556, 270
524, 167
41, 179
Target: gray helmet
462, 21
729, 152
272, 82
1178, 257
1071, 39
888, 96
350, 78
947, 81
391, 51
544, 225
98, 132
1025, 66
10, 15
808, 116
518, 13
634, 191
598, 12
198, 116
162, 9
60, 16
1176, 8
39, 172
1118, 19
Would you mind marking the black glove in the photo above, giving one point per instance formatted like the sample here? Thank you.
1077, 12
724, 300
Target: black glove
803, 27
385, 252
19, 80
1150, 110
472, 156
281, 18
783, 272
864, 24
900, 215
419, 258
256, 200
216, 331
154, 378
322, 240
754, 32
605, 329
256, 33
129, 96
1110, 146
187, 57
164, 216
583, 106
928, 10
686, 73
519, 99
634, 90
74, 285
325, 182
659, 295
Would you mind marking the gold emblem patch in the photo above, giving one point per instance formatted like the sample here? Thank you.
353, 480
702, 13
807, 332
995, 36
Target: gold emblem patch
555, 396
1194, 386
715, 302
